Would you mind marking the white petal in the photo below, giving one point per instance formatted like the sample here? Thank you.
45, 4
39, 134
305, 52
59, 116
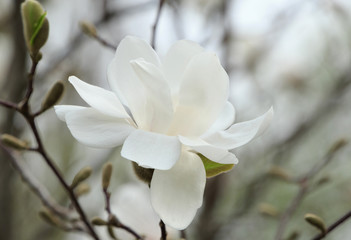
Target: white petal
152, 150
123, 80
63, 110
177, 59
158, 95
224, 120
202, 96
176, 194
241, 133
216, 154
94, 129
102, 100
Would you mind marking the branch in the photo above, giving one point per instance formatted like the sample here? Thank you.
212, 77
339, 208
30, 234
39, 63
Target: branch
154, 26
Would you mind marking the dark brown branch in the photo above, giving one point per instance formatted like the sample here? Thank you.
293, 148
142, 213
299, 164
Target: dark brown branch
154, 26
333, 226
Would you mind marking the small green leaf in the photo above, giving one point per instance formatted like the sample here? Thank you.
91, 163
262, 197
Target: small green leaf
37, 26
213, 168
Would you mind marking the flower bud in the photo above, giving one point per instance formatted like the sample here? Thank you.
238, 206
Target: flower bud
338, 145
106, 175
35, 25
88, 28
83, 174
111, 232
279, 172
98, 221
53, 96
144, 174
50, 218
268, 209
316, 221
82, 189
13, 142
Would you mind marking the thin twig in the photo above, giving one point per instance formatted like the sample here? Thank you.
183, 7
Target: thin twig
154, 26
105, 43
163, 230
333, 226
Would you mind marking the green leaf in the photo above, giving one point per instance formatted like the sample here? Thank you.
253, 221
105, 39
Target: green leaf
213, 168
37, 26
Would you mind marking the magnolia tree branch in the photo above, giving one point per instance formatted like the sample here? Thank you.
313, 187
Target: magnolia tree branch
333, 226
154, 26
304, 183
24, 108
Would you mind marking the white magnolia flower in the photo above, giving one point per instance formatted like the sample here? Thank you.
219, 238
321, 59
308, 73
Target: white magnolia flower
164, 112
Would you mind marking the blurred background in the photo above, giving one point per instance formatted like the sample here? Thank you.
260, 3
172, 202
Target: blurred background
292, 54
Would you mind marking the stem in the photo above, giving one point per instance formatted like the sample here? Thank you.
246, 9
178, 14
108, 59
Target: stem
154, 27
333, 226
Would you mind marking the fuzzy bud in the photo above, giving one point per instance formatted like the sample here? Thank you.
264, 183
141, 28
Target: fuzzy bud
35, 26
316, 221
268, 210
82, 189
53, 96
338, 145
144, 174
50, 218
88, 28
106, 175
98, 221
279, 172
13, 142
83, 174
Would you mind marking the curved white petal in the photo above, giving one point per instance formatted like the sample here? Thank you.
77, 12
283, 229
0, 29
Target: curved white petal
158, 95
63, 110
224, 120
102, 100
123, 80
176, 194
216, 154
241, 133
202, 96
151, 150
177, 59
94, 129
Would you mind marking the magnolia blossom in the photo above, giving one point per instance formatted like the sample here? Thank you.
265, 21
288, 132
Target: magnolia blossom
165, 112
